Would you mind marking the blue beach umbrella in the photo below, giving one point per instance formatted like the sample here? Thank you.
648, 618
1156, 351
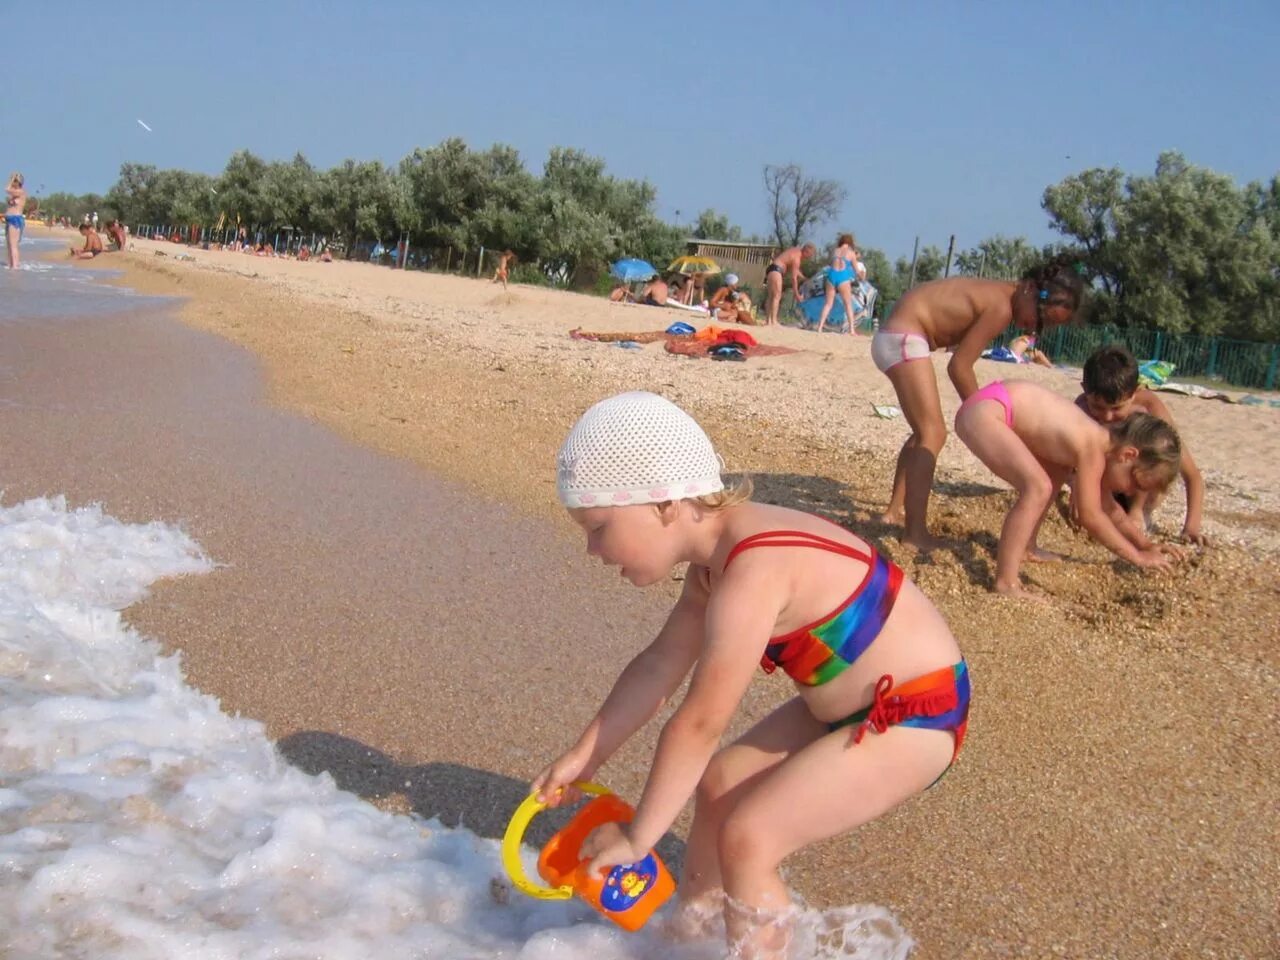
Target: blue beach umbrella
631, 270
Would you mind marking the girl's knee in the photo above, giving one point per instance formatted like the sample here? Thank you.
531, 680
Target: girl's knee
931, 436
746, 843
1036, 489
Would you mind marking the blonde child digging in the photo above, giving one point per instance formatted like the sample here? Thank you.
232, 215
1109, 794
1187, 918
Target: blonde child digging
1034, 439
882, 690
1111, 393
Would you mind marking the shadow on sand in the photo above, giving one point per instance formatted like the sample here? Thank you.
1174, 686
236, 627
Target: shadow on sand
481, 801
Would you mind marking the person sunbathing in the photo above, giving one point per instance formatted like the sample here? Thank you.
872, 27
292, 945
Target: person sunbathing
1024, 348
655, 293
729, 304
92, 243
622, 293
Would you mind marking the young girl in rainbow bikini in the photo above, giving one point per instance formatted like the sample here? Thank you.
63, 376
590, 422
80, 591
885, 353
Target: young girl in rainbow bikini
883, 692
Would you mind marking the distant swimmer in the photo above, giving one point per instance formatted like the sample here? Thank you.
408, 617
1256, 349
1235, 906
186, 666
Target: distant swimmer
787, 262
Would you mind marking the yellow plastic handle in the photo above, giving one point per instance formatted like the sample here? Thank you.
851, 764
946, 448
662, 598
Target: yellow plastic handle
512, 839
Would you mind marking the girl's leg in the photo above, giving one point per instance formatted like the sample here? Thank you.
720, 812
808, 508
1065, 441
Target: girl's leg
829, 300
983, 430
827, 789
1057, 477
917, 388
846, 297
732, 772
11, 238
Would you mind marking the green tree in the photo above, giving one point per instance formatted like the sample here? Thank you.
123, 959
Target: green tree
180, 197
1183, 250
1005, 258
239, 188
356, 200
129, 197
712, 225
287, 193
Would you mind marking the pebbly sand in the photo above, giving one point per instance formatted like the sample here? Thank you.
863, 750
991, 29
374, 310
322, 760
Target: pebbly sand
427, 627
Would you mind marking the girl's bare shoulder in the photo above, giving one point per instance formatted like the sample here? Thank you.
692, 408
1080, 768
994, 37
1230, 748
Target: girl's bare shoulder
752, 519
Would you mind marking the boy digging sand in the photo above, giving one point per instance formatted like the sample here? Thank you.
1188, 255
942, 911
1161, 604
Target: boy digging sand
1111, 393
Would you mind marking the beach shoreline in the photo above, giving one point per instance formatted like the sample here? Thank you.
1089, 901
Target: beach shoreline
1069, 825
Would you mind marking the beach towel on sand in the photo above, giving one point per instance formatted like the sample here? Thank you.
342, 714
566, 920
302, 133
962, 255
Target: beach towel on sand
695, 344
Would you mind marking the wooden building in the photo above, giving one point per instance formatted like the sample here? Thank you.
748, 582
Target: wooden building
747, 260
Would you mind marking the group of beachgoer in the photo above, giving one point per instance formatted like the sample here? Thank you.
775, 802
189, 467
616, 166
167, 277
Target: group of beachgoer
1117, 441
883, 691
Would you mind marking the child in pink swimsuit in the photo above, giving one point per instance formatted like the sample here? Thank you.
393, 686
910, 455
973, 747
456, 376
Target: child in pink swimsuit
1048, 438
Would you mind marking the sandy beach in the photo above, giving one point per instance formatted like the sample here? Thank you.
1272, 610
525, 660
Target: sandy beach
370, 455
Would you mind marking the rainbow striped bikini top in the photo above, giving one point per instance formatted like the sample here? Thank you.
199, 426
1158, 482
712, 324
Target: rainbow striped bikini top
822, 650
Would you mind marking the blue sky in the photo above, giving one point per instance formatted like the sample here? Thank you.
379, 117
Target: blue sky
939, 118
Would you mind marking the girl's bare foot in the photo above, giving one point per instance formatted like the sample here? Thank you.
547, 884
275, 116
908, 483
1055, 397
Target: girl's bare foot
1040, 555
924, 543
892, 516
1018, 591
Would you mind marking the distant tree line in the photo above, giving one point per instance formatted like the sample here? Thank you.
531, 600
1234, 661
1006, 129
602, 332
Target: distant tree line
1183, 250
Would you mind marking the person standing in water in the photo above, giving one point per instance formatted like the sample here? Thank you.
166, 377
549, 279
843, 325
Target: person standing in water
15, 223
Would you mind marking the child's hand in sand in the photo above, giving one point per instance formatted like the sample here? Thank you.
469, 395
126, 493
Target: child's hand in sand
1154, 558
1173, 551
1194, 537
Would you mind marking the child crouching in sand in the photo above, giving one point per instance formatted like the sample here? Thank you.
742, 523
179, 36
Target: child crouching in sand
1111, 393
883, 692
1034, 438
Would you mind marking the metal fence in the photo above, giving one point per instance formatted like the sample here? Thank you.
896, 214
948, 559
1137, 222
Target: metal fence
1244, 363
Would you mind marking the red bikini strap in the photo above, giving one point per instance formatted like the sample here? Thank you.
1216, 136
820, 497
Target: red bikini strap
794, 538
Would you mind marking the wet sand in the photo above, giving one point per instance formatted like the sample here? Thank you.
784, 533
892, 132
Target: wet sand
411, 612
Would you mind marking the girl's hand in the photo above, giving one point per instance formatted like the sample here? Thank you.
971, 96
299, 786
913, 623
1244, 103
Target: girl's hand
1173, 551
1194, 536
1153, 559
609, 845
554, 785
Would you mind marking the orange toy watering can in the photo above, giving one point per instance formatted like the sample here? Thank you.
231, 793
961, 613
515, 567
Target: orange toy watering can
627, 894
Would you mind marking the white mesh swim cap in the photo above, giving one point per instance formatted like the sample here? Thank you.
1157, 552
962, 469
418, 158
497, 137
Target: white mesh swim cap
730, 279
635, 448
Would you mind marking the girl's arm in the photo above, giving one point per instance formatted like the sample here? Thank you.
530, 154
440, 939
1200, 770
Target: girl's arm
639, 692
739, 620
1126, 524
1098, 521
985, 328
1194, 483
